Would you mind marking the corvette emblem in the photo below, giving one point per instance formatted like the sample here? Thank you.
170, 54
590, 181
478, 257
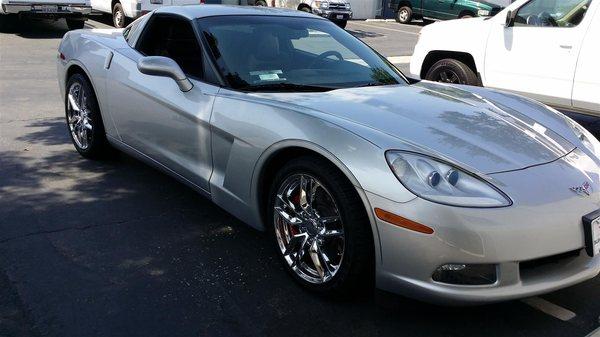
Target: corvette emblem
584, 190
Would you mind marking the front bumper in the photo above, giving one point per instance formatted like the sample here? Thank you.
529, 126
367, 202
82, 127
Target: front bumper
334, 14
47, 9
537, 244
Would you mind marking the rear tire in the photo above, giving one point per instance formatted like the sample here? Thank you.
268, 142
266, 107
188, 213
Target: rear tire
261, 3
85, 126
8, 23
355, 267
75, 24
119, 18
404, 15
452, 71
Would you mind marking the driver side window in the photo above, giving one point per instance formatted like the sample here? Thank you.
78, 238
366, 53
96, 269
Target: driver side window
552, 13
174, 38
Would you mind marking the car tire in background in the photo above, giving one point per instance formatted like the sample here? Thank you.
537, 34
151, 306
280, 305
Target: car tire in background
452, 71
334, 228
84, 120
341, 23
119, 18
75, 24
8, 23
261, 3
466, 15
305, 9
404, 14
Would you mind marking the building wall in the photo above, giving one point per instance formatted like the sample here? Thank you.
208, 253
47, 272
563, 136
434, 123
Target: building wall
365, 9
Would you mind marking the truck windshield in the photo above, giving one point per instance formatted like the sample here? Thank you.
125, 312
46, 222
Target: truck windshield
272, 53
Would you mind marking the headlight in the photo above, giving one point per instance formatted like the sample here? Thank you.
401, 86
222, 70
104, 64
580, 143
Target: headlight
348, 7
440, 182
483, 12
322, 4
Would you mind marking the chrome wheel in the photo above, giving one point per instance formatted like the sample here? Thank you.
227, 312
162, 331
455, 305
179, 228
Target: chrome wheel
309, 228
403, 15
119, 18
78, 116
448, 76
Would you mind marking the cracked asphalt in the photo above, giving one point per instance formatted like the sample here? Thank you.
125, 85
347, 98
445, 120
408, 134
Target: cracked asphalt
115, 248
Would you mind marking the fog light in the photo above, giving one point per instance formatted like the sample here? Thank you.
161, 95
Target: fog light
466, 274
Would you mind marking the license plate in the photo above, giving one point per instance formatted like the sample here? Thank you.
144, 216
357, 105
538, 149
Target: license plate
339, 17
591, 225
49, 8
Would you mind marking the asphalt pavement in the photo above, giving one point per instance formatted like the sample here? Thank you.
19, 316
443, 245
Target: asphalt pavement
115, 248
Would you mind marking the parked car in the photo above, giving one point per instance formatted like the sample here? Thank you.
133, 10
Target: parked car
75, 12
407, 10
338, 11
441, 192
547, 50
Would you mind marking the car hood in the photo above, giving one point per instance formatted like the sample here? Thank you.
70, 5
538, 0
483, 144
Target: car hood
487, 135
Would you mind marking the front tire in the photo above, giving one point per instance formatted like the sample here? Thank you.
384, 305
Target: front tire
320, 227
341, 23
452, 71
261, 3
84, 120
8, 23
404, 15
75, 24
119, 18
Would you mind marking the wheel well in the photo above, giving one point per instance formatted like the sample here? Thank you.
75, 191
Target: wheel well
270, 168
75, 69
303, 6
404, 3
466, 12
437, 55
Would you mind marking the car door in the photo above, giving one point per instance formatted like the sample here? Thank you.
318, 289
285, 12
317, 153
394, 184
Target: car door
586, 87
439, 9
101, 5
151, 114
537, 54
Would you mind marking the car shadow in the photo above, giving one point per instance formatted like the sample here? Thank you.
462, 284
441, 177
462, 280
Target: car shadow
29, 28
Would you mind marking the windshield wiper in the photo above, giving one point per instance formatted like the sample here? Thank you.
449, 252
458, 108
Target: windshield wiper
284, 87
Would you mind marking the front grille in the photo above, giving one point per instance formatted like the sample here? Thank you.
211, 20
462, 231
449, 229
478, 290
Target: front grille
337, 6
549, 260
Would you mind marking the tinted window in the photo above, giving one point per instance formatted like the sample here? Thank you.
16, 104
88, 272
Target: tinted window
284, 53
552, 13
134, 29
174, 38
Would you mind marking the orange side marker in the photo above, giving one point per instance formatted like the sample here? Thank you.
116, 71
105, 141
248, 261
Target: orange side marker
402, 222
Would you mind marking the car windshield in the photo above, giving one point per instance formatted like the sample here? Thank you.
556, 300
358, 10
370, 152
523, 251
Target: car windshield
271, 53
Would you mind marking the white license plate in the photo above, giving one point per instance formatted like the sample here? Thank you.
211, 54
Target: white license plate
596, 236
49, 8
339, 17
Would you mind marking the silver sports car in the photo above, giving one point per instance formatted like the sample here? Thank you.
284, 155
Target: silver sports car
441, 192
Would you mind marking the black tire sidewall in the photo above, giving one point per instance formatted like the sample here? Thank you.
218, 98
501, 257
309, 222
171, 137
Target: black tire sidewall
349, 276
465, 74
260, 3
98, 146
75, 24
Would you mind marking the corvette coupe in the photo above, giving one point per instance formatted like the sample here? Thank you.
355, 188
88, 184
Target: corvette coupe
362, 176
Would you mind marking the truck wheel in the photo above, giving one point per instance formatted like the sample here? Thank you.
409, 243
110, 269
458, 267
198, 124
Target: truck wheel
341, 23
119, 18
467, 15
452, 71
260, 3
75, 24
8, 23
305, 9
404, 15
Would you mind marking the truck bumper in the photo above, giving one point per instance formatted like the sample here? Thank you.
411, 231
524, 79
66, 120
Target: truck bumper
333, 14
47, 10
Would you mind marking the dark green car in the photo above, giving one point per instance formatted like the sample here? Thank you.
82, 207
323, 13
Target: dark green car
407, 10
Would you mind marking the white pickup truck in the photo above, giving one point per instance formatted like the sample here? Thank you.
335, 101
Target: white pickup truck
545, 49
74, 11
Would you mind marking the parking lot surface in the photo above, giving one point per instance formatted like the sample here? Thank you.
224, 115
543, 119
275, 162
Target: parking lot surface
115, 248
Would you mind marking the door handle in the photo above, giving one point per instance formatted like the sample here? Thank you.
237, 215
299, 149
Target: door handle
564, 46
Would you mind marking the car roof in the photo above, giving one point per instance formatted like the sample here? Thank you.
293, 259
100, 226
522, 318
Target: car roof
200, 11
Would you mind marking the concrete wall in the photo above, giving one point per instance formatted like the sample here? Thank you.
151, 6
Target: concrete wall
365, 9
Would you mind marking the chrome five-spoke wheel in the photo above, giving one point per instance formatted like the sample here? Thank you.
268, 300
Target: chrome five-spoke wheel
78, 116
308, 228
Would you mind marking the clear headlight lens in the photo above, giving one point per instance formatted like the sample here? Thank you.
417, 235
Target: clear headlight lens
322, 4
348, 7
483, 12
443, 183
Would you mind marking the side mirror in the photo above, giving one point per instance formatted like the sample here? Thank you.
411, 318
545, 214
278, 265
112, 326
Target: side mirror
510, 18
166, 67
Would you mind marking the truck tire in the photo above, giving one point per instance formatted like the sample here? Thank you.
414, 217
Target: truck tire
8, 23
261, 3
404, 15
452, 71
75, 24
341, 23
119, 18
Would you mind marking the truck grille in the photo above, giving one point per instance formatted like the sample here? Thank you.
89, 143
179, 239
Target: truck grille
337, 6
